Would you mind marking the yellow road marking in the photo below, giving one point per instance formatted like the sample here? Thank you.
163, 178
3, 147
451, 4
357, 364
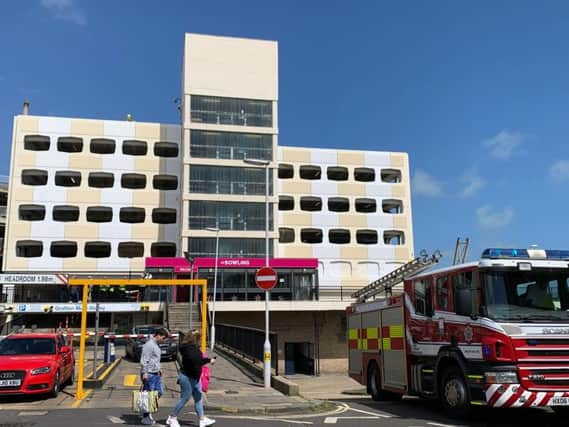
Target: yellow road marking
131, 380
79, 401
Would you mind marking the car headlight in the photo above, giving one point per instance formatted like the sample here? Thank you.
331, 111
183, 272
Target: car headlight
506, 377
42, 370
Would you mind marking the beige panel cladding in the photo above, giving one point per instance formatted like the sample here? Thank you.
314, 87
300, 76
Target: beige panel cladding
402, 253
293, 251
25, 157
90, 163
144, 231
137, 264
353, 252
146, 130
399, 190
400, 221
27, 124
231, 67
77, 231
296, 155
20, 229
87, 127
352, 220
351, 158
14, 263
296, 187
289, 219
146, 198
80, 263
351, 189
25, 193
400, 160
89, 196
147, 163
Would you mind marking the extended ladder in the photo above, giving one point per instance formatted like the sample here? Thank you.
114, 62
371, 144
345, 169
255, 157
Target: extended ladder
387, 282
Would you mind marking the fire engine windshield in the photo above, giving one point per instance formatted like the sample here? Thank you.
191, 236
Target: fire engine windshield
539, 295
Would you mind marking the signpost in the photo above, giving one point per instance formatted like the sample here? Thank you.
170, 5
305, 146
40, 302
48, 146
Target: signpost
266, 279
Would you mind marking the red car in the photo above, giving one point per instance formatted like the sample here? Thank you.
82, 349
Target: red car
35, 363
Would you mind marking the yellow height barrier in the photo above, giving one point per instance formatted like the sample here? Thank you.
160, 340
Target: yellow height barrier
128, 282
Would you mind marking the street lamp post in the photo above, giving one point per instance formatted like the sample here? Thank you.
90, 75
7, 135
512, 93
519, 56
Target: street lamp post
212, 333
267, 344
190, 260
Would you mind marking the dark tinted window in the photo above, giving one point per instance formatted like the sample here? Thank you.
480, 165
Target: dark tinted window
364, 174
310, 172
101, 179
68, 178
99, 214
63, 249
132, 215
286, 203
97, 249
366, 237
165, 182
31, 212
102, 146
286, 171
134, 147
29, 248
163, 216
286, 235
310, 203
166, 149
65, 213
134, 181
338, 204
339, 236
70, 144
311, 235
34, 177
337, 173
131, 249
366, 205
163, 249
36, 142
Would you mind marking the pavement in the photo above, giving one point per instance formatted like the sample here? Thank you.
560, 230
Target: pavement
328, 387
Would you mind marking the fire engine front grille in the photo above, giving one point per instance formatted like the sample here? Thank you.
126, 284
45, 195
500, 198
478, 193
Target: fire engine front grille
549, 352
545, 378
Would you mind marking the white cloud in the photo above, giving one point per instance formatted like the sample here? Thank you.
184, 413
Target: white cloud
491, 218
473, 183
66, 10
503, 145
424, 184
559, 171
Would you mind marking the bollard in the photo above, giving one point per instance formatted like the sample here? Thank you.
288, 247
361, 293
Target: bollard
106, 356
111, 350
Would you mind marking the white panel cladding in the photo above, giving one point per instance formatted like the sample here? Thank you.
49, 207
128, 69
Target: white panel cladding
171, 233
378, 189
46, 262
115, 228
114, 129
325, 219
381, 251
324, 157
324, 187
326, 251
54, 128
380, 221
48, 228
54, 125
50, 192
171, 133
372, 159
370, 269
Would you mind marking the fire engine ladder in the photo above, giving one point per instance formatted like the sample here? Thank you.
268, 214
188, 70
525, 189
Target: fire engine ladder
386, 283
460, 251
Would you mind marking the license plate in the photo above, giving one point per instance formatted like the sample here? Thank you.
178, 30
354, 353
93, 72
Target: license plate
10, 383
559, 401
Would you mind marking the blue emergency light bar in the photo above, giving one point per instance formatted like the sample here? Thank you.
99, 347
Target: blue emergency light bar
499, 253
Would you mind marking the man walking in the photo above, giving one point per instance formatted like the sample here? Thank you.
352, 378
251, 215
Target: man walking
150, 371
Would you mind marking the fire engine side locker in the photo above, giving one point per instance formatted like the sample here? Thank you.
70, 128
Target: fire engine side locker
393, 355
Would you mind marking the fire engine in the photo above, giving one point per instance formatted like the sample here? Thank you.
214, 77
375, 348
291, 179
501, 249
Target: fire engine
493, 332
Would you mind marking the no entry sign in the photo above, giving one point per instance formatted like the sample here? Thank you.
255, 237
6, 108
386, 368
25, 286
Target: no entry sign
266, 278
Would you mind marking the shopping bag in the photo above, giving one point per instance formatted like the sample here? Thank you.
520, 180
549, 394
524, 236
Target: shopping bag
144, 401
205, 377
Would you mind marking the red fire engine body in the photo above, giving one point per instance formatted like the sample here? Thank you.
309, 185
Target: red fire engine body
493, 332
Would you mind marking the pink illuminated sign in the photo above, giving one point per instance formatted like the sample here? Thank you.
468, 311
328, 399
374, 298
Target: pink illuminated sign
180, 265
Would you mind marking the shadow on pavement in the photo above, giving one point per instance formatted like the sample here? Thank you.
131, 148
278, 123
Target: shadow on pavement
417, 409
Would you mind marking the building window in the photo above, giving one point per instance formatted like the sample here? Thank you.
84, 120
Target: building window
310, 172
286, 203
131, 250
393, 237
165, 182
65, 213
286, 171
97, 249
392, 206
229, 180
242, 216
311, 235
366, 237
230, 145
36, 142
364, 174
134, 181
99, 214
31, 212
63, 249
70, 144
101, 179
339, 236
231, 111
102, 146
337, 173
366, 205
338, 204
34, 177
229, 247
132, 215
310, 203
286, 235
134, 147
29, 248
68, 178
166, 149
392, 176
164, 216
163, 249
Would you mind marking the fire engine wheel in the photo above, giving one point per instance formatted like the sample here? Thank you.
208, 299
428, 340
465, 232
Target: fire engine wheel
454, 393
373, 382
561, 411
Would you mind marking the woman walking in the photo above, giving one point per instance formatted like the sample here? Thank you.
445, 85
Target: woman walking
189, 379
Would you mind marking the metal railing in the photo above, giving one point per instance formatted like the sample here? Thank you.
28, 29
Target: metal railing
335, 293
229, 152
248, 342
229, 223
234, 187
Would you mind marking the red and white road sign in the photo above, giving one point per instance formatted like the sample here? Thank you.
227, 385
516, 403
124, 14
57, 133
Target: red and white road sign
266, 278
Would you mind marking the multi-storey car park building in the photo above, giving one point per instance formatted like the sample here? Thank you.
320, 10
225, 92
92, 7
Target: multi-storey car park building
123, 198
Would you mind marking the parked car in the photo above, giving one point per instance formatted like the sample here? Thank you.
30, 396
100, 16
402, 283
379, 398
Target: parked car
168, 347
35, 364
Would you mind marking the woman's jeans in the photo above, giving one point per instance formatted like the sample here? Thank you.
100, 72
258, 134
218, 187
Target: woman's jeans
190, 387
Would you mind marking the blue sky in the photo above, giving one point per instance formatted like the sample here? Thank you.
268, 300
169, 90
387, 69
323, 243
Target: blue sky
476, 92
